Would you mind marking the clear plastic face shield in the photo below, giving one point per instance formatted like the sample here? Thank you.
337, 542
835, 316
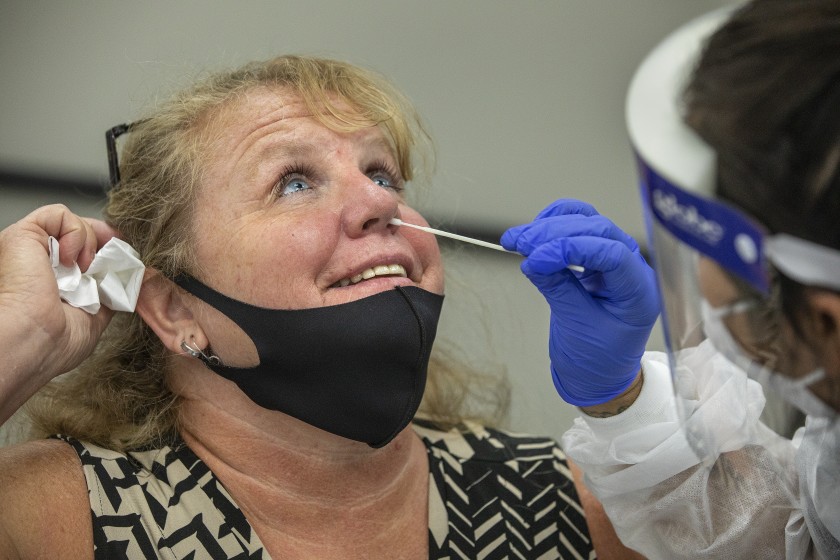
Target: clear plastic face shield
716, 266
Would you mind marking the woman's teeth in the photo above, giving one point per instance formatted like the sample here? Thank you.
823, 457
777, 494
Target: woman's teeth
381, 270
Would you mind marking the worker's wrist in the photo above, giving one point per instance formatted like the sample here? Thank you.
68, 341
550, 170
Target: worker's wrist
620, 403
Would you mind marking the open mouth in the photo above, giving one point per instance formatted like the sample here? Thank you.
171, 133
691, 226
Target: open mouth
375, 272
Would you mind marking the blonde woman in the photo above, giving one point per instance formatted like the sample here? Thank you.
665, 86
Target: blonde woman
262, 399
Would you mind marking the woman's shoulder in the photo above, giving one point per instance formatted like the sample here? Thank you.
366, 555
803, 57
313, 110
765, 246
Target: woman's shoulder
481, 458
493, 486
44, 500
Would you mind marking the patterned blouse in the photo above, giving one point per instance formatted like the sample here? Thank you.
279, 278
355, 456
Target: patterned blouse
494, 495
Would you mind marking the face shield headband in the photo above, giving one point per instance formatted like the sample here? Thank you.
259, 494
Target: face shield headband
733, 240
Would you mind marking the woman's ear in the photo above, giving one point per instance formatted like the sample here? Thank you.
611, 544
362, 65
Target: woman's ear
165, 309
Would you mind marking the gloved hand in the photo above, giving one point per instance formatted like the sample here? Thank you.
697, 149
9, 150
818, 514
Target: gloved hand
600, 318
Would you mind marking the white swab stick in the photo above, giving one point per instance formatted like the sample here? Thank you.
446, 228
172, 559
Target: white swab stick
398, 222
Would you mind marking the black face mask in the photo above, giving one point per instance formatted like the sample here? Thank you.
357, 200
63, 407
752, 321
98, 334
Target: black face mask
357, 370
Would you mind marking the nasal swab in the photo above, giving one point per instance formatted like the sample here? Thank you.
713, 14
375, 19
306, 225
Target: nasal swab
398, 222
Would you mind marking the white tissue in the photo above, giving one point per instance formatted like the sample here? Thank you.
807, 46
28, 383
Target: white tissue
113, 278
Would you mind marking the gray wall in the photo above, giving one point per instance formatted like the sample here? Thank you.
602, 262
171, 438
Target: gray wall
524, 100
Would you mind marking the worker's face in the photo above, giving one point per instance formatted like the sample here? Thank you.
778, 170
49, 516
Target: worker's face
759, 327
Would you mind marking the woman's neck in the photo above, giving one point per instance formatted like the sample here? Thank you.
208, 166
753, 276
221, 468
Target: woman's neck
300, 486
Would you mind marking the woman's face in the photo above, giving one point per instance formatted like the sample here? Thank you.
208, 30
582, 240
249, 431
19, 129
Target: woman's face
291, 213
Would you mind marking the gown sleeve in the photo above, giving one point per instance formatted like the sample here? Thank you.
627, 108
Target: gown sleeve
669, 499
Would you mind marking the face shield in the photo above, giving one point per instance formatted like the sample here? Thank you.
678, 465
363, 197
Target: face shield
717, 268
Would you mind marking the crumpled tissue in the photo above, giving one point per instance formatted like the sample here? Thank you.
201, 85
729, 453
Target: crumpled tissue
113, 278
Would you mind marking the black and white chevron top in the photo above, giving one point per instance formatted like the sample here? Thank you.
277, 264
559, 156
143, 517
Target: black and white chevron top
495, 495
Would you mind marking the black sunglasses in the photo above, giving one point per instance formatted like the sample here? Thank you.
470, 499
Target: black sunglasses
111, 143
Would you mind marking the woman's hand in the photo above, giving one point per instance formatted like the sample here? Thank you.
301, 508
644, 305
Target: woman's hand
600, 318
42, 336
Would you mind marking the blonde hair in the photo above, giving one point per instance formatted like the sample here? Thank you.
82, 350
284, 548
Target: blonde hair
119, 397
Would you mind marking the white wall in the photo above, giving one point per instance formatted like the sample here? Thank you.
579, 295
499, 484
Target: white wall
524, 99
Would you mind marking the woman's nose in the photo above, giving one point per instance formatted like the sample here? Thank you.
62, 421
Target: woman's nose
366, 206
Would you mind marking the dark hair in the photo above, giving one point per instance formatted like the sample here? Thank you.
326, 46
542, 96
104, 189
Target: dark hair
765, 95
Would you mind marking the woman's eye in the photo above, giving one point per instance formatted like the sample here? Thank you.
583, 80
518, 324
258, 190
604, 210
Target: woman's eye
295, 185
386, 179
292, 183
382, 180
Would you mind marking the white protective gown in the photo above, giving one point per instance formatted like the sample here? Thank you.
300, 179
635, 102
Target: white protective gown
758, 495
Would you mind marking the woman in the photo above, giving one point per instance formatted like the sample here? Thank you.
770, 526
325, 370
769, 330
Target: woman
740, 173
260, 400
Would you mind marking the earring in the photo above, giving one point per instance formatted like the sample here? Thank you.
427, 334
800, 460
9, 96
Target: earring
196, 352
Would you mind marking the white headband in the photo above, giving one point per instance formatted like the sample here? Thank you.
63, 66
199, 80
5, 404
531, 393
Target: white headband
804, 261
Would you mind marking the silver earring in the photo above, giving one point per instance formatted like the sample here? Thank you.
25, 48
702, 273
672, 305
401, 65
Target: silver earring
196, 352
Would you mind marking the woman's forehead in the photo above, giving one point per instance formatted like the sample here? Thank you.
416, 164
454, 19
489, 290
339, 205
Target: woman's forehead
267, 107
266, 124
257, 106
283, 102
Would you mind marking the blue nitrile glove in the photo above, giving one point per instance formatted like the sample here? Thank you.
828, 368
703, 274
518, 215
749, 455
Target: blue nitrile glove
600, 318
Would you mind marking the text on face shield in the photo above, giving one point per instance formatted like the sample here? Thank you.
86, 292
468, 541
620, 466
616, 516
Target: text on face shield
686, 218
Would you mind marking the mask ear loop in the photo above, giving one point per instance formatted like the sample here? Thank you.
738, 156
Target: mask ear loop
196, 352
